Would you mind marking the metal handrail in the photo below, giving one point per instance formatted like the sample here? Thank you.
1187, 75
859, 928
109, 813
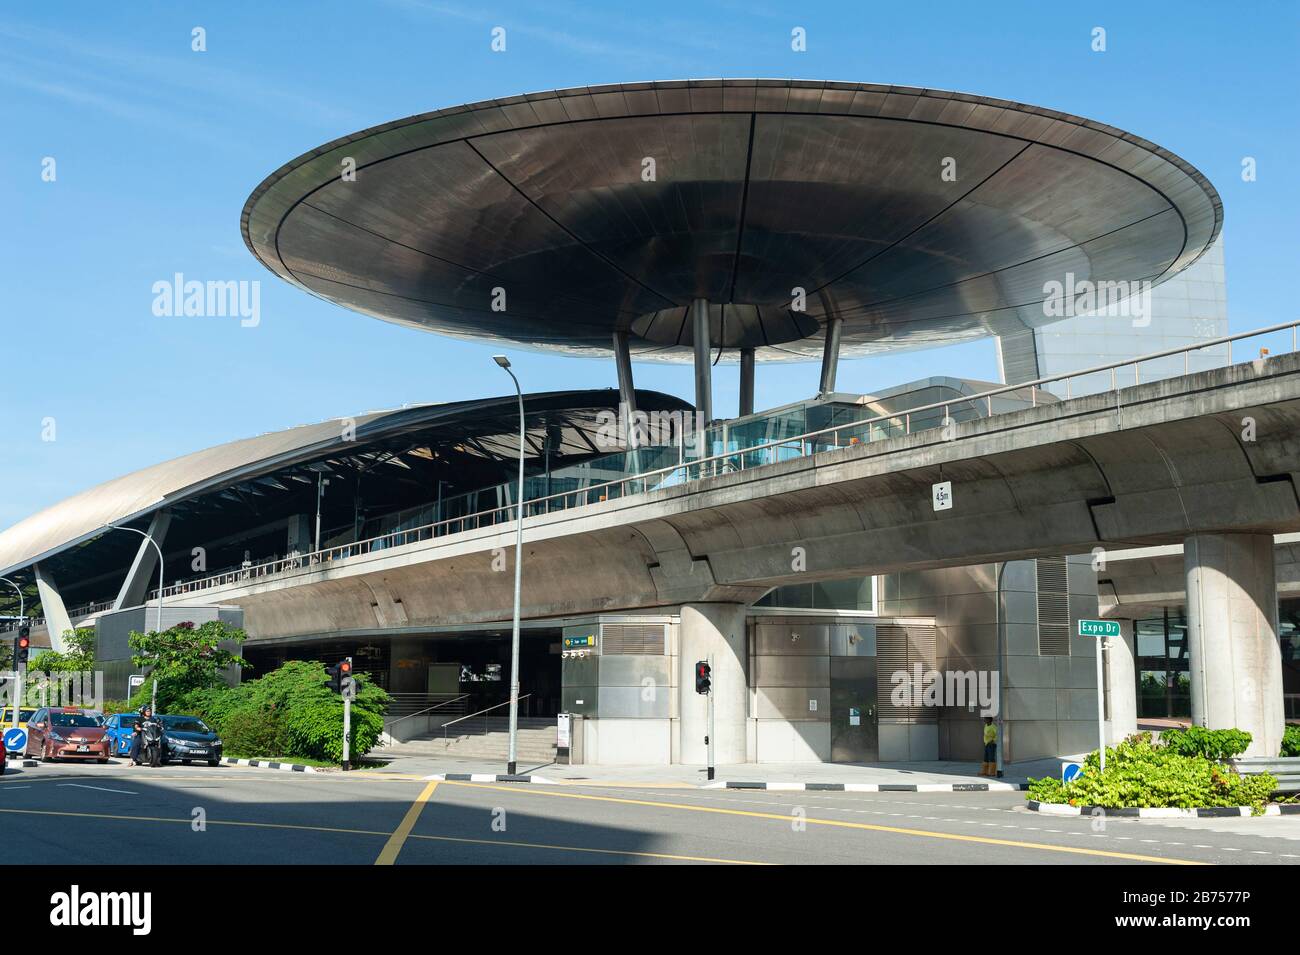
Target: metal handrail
478, 713
712, 463
429, 709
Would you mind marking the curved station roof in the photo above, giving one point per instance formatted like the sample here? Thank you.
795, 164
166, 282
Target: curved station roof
390, 455
917, 216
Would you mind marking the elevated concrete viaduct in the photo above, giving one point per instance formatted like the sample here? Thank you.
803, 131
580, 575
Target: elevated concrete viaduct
1211, 457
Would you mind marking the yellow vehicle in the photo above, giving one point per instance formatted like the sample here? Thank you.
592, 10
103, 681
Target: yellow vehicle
7, 719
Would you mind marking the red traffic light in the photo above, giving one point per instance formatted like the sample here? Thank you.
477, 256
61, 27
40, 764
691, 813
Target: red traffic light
24, 643
345, 667
702, 672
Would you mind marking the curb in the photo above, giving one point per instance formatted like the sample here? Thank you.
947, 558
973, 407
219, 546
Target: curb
877, 787
268, 764
487, 778
1136, 812
21, 763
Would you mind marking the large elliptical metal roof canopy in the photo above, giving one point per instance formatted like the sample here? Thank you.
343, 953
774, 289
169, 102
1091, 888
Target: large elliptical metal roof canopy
758, 187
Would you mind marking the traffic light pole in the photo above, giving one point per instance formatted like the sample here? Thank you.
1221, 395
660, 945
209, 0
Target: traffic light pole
709, 698
347, 730
18, 671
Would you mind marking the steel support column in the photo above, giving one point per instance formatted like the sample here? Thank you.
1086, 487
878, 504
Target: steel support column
746, 381
830, 356
623, 362
703, 370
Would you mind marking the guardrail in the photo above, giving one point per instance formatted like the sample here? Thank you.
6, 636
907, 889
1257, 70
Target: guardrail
75, 614
833, 438
391, 723
1286, 769
478, 713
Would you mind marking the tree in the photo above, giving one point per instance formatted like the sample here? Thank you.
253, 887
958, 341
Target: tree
79, 657
186, 658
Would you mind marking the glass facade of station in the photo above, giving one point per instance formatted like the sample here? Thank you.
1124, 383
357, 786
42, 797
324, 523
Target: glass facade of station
1191, 307
1161, 664
1160, 651
739, 444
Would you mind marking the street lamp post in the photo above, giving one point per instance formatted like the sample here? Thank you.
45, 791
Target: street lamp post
18, 677
511, 765
158, 625
1001, 630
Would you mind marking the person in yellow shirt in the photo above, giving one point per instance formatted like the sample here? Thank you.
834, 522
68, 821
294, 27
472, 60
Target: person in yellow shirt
990, 766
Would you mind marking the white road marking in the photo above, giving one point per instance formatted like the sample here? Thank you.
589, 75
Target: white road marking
104, 789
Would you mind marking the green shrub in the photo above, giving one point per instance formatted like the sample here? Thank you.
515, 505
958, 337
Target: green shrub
290, 708
1199, 741
1141, 774
1291, 741
1047, 789
253, 733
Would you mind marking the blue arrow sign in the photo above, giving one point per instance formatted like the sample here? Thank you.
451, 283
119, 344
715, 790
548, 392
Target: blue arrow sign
15, 739
1070, 771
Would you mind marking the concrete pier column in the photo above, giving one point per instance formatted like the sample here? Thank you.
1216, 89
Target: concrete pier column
1121, 683
1233, 654
57, 621
713, 632
703, 370
746, 381
144, 569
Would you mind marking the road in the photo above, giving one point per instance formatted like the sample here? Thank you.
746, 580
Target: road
233, 815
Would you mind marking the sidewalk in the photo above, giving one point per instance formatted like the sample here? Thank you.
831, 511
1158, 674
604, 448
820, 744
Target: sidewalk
939, 775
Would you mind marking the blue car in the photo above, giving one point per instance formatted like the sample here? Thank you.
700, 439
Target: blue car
118, 728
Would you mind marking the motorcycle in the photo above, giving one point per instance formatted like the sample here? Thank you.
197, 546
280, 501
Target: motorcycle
151, 745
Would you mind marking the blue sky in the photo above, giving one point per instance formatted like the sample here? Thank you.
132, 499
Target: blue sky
157, 147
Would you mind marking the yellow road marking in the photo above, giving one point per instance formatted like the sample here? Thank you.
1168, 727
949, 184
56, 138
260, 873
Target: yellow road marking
610, 852
388, 855
838, 823
374, 832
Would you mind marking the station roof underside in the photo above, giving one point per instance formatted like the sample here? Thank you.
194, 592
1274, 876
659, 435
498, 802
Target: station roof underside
917, 216
480, 435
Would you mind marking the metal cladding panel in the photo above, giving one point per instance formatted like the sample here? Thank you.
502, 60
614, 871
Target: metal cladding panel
791, 638
757, 186
792, 703
633, 702
635, 671
788, 670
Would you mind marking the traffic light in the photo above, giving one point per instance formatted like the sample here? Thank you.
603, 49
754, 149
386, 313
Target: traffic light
22, 645
338, 672
702, 671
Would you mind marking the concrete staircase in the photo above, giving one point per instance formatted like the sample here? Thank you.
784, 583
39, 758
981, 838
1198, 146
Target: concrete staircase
483, 738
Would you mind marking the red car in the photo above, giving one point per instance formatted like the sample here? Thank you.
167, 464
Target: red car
65, 732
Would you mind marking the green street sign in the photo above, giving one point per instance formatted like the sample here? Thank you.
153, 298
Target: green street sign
577, 643
1099, 628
